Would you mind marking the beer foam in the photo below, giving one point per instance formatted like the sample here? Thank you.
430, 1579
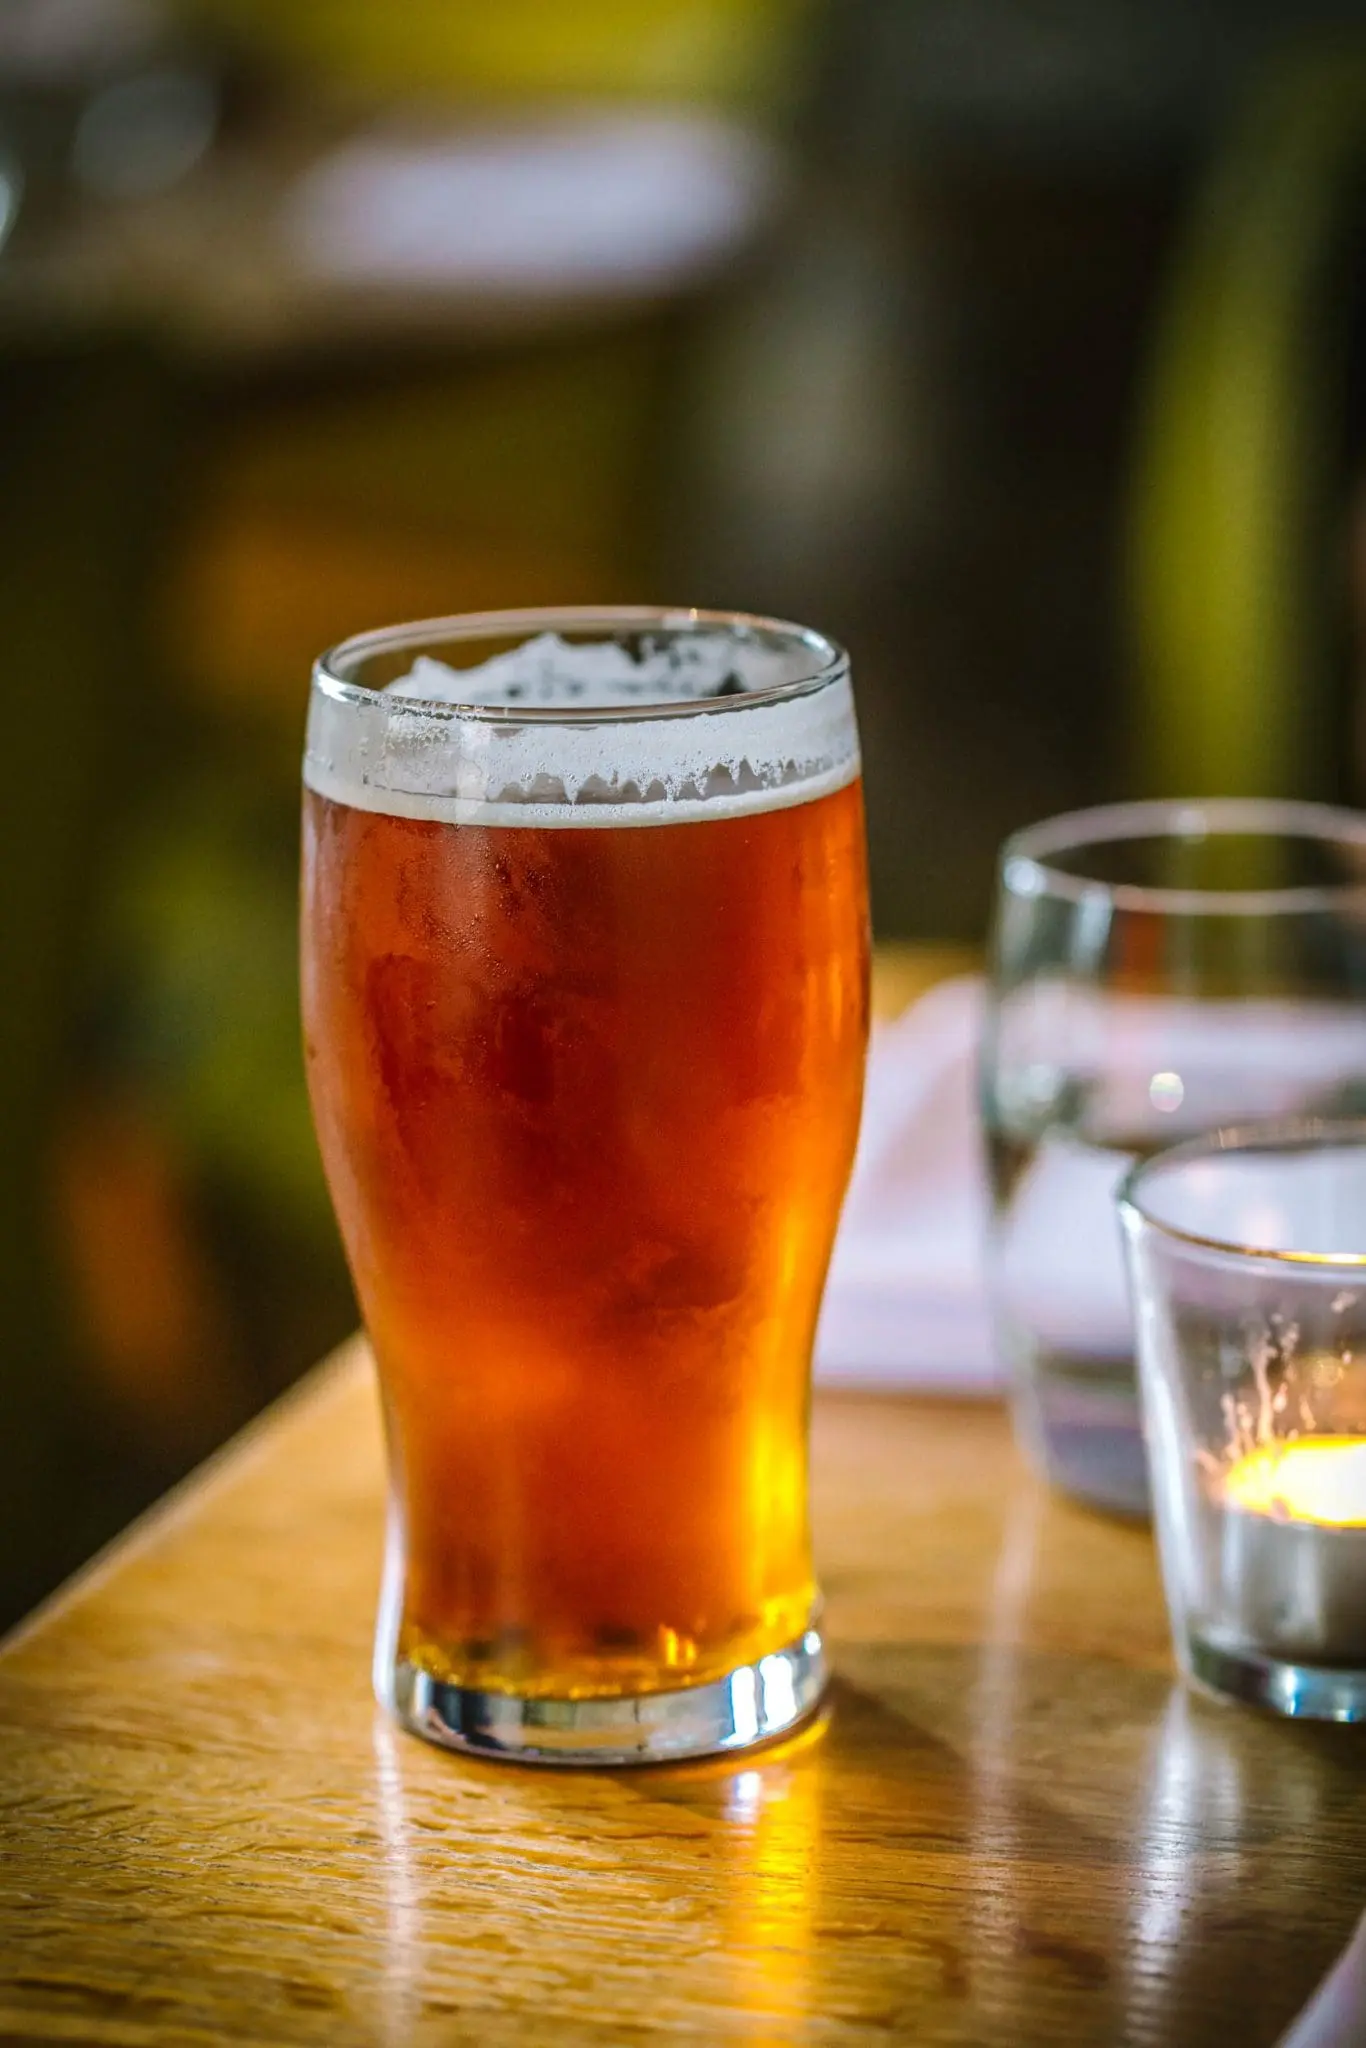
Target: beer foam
445, 743
550, 671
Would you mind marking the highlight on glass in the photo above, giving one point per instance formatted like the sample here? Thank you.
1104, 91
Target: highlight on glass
1247, 1258
585, 988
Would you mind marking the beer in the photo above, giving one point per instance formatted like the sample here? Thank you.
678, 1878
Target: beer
587, 1096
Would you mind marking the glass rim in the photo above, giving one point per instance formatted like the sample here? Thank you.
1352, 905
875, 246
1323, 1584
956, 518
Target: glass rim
831, 661
1191, 818
1281, 1134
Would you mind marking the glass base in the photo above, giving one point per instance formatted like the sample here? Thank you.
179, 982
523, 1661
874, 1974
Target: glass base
1308, 1692
751, 1704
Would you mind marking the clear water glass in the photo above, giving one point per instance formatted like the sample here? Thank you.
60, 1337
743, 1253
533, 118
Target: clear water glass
1247, 1258
1158, 969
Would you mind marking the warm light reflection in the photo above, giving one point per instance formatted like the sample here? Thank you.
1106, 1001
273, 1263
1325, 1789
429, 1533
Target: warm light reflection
1318, 1479
402, 1985
745, 1796
774, 1811
1215, 1790
993, 1711
1192, 1790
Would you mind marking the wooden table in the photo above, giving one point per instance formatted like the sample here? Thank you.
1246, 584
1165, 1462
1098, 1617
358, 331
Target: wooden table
1011, 1828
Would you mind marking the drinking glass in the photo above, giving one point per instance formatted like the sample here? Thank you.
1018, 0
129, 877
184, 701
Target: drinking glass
585, 990
1158, 969
1247, 1257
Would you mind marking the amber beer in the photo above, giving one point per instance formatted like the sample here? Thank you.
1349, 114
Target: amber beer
587, 1096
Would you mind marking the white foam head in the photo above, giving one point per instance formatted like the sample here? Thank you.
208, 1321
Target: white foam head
679, 717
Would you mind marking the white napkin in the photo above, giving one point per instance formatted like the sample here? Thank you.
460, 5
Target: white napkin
906, 1300
1335, 2016
905, 1304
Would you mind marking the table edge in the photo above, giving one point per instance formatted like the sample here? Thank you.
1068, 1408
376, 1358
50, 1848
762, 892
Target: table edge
328, 1379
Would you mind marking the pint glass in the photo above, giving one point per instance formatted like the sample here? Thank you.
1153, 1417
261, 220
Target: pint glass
585, 991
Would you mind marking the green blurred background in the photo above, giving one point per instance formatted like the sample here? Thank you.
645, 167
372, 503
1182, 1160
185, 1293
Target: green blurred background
1020, 346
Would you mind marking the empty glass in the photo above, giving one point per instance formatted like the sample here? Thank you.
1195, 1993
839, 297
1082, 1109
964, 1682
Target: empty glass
1158, 969
1247, 1257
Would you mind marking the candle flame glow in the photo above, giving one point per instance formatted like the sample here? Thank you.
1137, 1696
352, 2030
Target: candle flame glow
1318, 1479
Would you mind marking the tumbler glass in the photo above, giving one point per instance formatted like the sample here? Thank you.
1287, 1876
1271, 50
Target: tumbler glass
1247, 1257
1158, 969
585, 981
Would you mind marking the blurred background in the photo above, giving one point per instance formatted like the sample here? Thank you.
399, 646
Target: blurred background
1020, 344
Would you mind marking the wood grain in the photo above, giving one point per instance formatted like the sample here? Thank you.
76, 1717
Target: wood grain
1012, 1828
